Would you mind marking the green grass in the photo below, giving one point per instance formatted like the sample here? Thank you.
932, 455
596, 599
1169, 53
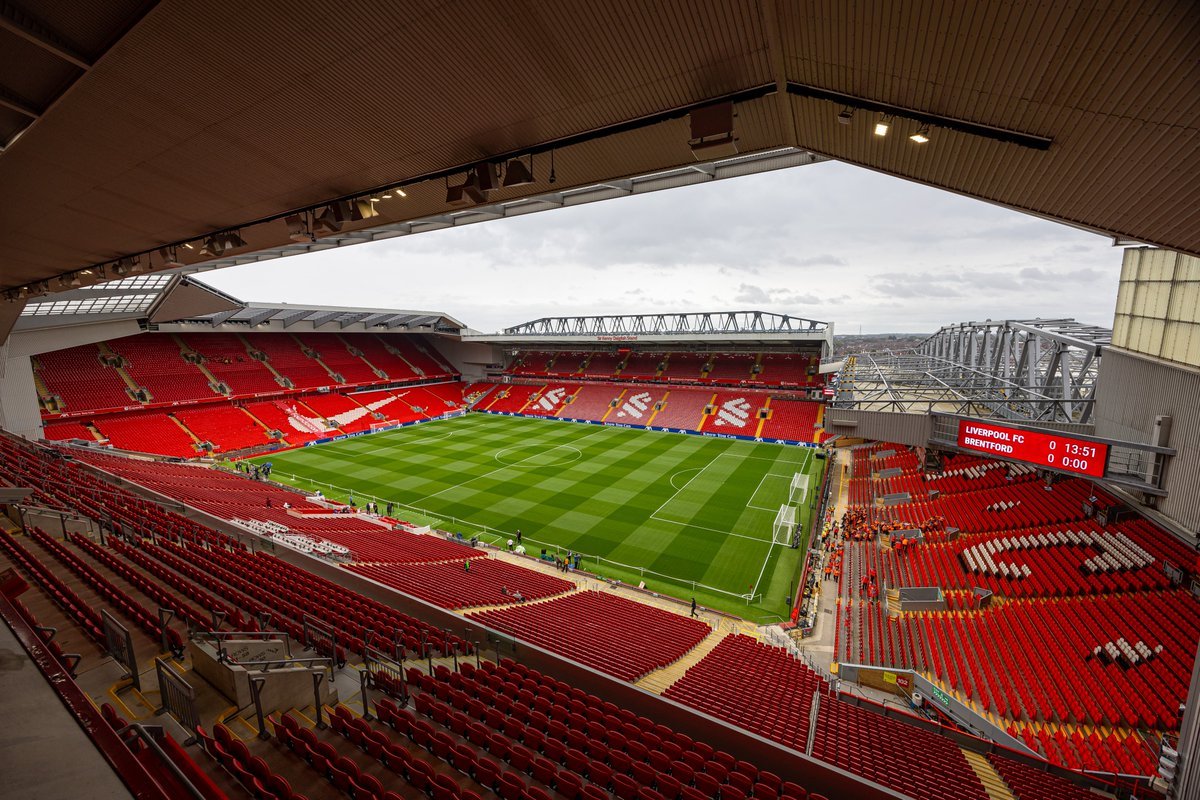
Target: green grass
689, 515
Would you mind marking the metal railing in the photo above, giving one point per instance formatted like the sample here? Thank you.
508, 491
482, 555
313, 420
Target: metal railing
119, 645
178, 698
149, 735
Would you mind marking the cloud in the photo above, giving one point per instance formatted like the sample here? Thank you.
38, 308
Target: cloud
826, 241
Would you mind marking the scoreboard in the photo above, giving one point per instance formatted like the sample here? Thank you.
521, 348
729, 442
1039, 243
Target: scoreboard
1041, 449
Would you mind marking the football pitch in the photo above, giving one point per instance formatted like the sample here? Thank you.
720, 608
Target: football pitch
689, 515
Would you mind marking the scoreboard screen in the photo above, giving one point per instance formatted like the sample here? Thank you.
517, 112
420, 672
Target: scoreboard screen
1052, 450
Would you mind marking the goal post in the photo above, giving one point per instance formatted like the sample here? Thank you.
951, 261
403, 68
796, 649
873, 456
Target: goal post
785, 525
381, 426
798, 491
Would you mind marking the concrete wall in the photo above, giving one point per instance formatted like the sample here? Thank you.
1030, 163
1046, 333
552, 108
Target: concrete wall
1134, 390
470, 358
19, 411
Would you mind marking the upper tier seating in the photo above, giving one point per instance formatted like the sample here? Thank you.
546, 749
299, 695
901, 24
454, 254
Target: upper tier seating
605, 631
156, 363
147, 432
427, 362
532, 363
732, 367
642, 366
226, 357
336, 355
603, 365
289, 360
379, 356
789, 369
229, 428
450, 584
77, 375
684, 366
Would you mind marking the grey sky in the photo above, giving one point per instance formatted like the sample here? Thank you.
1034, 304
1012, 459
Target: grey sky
827, 241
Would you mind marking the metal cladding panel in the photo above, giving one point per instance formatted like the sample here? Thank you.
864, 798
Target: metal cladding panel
1133, 390
1158, 305
884, 426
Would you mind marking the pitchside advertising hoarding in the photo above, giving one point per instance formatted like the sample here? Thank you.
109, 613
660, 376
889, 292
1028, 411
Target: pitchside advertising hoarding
1052, 450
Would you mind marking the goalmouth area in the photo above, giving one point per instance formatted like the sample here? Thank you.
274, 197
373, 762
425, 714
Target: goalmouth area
689, 515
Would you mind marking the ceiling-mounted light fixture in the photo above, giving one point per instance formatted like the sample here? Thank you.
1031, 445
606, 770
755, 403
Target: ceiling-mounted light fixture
124, 266
516, 173
169, 256
881, 127
845, 115
400, 193
364, 209
213, 246
553, 177
188, 245
921, 136
298, 230
234, 240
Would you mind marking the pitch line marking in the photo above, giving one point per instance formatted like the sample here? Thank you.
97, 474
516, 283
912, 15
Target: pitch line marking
706, 528
578, 455
671, 480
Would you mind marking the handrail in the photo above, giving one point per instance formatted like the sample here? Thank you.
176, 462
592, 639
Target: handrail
145, 733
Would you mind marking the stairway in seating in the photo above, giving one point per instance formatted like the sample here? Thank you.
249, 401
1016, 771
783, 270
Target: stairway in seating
662, 679
195, 439
333, 376
893, 602
280, 379
133, 385
213, 381
996, 788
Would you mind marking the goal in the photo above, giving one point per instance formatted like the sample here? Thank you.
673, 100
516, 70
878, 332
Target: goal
785, 526
798, 491
382, 426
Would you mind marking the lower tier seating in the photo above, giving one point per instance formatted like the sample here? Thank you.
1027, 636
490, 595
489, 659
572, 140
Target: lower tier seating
471, 582
605, 631
147, 432
227, 427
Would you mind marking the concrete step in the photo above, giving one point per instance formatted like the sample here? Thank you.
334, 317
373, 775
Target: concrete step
996, 788
660, 680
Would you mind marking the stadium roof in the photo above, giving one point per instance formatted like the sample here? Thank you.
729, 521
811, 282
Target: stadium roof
130, 125
716, 327
173, 302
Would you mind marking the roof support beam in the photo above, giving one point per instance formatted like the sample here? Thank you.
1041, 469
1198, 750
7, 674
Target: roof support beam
23, 24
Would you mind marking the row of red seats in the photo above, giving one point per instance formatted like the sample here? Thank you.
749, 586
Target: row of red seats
608, 632
719, 368
450, 584
1029, 783
538, 724
151, 589
252, 772
147, 432
80, 380
105, 588
755, 686
1005, 676
155, 362
160, 767
79, 612
228, 358
227, 427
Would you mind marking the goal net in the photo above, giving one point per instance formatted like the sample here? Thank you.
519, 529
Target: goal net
785, 525
798, 491
379, 426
